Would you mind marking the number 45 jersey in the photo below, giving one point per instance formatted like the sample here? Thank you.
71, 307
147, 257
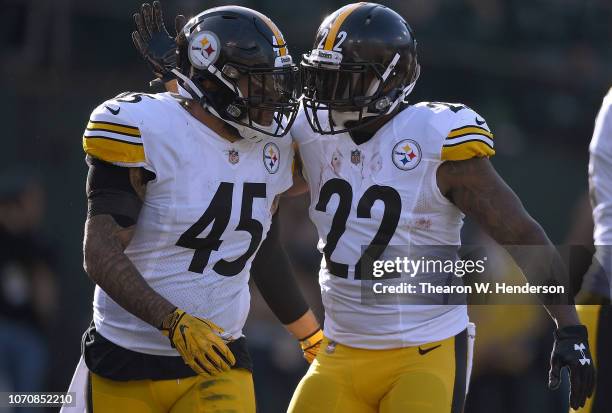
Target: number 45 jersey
383, 193
203, 217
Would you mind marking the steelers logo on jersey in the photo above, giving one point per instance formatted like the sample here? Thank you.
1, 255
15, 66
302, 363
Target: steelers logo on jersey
271, 157
406, 154
204, 49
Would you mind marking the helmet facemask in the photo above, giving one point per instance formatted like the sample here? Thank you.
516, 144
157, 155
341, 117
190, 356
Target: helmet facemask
339, 97
271, 100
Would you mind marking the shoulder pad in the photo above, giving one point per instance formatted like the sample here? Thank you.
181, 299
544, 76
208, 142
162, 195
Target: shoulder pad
113, 133
467, 134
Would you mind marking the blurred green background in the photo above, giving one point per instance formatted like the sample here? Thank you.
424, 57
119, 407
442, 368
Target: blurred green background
536, 70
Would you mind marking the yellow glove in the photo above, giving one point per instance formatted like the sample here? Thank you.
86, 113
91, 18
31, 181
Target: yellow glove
310, 345
197, 341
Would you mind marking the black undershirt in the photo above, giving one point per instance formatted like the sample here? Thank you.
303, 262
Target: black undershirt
110, 191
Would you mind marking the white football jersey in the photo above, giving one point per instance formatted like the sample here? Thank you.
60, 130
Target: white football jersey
600, 172
203, 217
385, 192
600, 186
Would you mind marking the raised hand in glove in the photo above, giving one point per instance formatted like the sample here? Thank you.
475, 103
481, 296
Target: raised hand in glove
198, 342
153, 41
571, 351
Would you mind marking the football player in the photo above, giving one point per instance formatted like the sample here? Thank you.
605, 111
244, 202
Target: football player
182, 190
414, 171
600, 188
595, 310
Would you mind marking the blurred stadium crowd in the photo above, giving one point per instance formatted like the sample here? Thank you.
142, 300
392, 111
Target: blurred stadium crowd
537, 70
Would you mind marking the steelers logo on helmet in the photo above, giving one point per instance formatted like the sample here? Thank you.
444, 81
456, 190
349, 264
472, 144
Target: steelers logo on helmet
271, 157
204, 49
406, 154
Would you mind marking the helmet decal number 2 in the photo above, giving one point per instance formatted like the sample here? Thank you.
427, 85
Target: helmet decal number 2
323, 37
341, 38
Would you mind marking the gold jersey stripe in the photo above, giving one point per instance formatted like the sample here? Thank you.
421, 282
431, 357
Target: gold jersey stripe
335, 27
277, 33
469, 130
466, 150
113, 127
112, 150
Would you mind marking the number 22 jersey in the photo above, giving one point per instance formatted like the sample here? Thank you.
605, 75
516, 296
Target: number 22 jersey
385, 192
203, 216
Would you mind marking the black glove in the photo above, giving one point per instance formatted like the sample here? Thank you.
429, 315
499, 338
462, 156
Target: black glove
153, 41
571, 350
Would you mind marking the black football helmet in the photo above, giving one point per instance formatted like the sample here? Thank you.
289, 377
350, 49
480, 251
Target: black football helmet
252, 81
363, 64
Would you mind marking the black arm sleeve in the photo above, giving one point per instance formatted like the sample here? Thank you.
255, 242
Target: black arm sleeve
275, 279
109, 191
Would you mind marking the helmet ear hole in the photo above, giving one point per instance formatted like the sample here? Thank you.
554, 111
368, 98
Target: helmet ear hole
382, 104
234, 111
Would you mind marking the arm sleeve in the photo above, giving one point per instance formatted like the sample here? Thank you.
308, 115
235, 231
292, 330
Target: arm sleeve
109, 191
274, 277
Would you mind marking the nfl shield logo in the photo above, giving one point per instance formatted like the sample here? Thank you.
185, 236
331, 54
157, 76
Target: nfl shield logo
233, 156
356, 156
